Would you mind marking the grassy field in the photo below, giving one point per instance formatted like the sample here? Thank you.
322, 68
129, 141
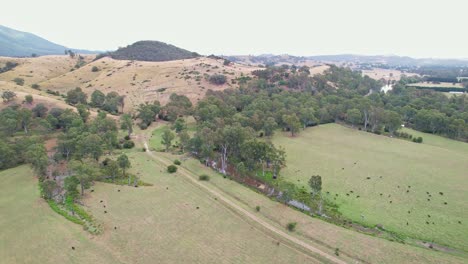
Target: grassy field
157, 224
161, 224
354, 247
381, 180
30, 232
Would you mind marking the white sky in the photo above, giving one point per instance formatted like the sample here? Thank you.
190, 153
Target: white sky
430, 28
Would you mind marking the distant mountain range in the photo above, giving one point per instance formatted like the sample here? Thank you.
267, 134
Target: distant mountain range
14, 43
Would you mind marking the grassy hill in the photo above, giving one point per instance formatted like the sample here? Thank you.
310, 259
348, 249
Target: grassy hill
152, 51
380, 180
14, 43
139, 81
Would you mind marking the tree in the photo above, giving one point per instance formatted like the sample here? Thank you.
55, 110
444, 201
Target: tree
90, 146
126, 122
69, 184
166, 138
7, 96
353, 116
24, 118
76, 96
40, 110
83, 112
124, 164
179, 125
98, 98
392, 121
269, 126
184, 139
292, 123
84, 172
48, 188
112, 169
7, 155
36, 155
315, 183
217, 79
307, 116
29, 99
147, 113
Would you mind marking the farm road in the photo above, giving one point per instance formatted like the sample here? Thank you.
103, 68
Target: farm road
246, 213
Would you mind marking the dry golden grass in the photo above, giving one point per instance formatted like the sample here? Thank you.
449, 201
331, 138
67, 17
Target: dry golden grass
386, 74
148, 81
35, 70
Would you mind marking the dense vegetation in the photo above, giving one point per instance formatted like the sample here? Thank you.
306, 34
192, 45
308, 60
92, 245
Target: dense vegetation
152, 51
75, 160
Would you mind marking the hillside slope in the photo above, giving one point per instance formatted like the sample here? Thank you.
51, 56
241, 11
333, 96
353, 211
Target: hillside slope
142, 81
16, 43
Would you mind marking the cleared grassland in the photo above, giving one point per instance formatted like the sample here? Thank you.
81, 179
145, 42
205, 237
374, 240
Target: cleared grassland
354, 247
161, 223
398, 182
30, 232
158, 224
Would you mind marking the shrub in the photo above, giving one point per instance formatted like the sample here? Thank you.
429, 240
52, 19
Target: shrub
177, 162
29, 99
128, 144
257, 208
35, 86
204, 177
143, 126
291, 226
171, 168
337, 251
127, 137
19, 81
217, 79
418, 139
95, 69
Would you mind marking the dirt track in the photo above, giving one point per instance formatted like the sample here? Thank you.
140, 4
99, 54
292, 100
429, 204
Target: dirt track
246, 213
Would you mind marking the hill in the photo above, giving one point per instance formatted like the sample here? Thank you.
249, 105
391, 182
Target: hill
139, 81
14, 43
152, 51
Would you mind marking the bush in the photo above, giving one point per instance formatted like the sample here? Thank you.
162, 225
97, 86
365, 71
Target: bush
127, 137
177, 162
217, 79
19, 81
418, 139
257, 208
128, 144
95, 69
171, 168
35, 86
291, 226
204, 177
143, 126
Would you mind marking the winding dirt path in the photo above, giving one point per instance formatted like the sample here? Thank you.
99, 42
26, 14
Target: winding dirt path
246, 213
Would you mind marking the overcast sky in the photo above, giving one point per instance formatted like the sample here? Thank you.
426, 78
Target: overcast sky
430, 28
